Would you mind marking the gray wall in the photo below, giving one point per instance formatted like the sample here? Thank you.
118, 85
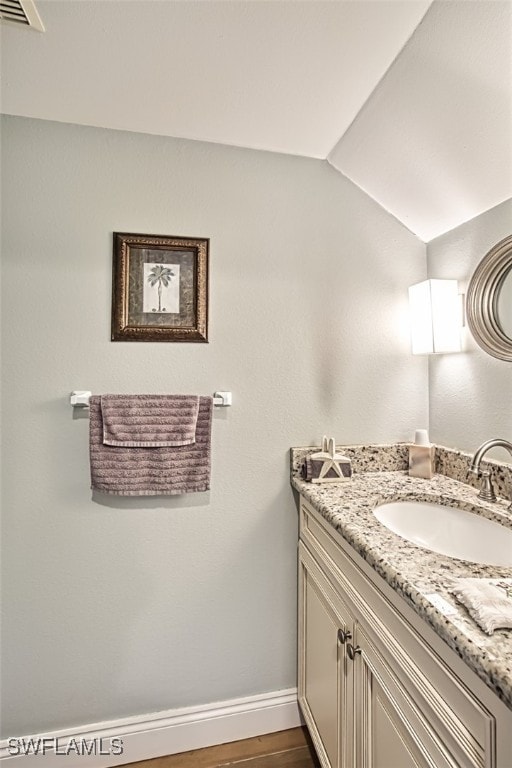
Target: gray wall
123, 607
471, 393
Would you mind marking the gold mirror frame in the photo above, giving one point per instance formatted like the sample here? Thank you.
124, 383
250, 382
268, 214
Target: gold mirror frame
482, 300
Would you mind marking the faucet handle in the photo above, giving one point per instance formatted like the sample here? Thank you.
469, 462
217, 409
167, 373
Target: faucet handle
486, 489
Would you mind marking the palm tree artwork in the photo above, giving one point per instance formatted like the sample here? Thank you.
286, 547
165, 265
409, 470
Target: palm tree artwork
159, 276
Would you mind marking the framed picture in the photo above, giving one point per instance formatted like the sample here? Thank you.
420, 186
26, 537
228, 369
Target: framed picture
159, 288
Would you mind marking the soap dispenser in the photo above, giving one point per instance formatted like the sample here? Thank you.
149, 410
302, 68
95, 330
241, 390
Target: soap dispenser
421, 456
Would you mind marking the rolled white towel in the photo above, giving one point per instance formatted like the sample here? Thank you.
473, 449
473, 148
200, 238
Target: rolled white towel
488, 601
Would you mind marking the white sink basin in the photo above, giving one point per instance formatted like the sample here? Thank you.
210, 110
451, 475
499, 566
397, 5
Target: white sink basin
448, 531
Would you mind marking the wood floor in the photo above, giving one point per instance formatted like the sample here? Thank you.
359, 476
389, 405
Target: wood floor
286, 749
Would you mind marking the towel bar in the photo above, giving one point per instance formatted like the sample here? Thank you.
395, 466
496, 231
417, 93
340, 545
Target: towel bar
80, 399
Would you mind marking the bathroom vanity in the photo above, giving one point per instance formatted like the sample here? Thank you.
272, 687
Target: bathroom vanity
393, 673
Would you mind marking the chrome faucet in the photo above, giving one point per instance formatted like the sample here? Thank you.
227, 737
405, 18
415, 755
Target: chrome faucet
486, 489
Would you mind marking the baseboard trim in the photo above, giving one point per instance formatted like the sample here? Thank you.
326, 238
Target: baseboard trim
160, 733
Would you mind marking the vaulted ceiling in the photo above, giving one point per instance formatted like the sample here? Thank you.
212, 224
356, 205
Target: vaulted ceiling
408, 98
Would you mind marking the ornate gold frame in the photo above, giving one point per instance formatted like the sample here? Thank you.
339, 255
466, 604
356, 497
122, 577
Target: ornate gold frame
129, 320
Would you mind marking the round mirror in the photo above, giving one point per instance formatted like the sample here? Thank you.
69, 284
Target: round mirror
504, 304
489, 301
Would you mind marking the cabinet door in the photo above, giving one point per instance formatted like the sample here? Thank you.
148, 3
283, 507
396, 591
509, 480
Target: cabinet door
391, 732
412, 708
325, 691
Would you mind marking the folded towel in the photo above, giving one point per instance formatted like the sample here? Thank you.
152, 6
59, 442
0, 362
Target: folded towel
150, 471
312, 468
489, 601
141, 421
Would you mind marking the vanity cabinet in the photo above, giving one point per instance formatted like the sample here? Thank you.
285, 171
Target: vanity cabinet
376, 690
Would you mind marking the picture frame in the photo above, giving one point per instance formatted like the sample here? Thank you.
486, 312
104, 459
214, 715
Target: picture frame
159, 288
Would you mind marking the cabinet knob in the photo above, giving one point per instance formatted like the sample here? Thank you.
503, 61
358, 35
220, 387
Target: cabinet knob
343, 636
351, 651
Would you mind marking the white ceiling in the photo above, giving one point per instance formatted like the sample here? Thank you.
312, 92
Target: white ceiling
282, 76
433, 144
425, 136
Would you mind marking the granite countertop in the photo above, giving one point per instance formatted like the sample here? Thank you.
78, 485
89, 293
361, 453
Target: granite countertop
421, 577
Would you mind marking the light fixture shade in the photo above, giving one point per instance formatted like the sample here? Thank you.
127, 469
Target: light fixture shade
435, 317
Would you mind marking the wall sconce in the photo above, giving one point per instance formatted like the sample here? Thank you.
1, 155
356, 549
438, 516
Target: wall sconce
436, 318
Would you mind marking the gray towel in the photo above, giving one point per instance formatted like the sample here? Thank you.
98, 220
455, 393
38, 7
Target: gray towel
150, 471
149, 421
